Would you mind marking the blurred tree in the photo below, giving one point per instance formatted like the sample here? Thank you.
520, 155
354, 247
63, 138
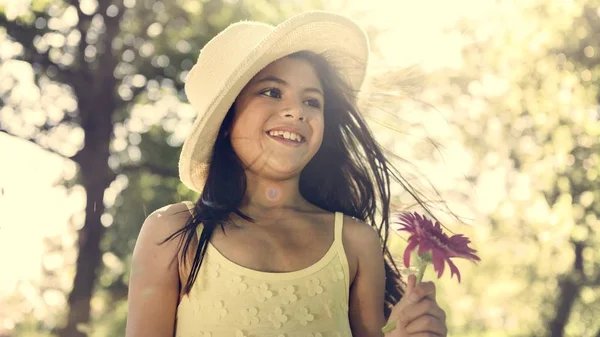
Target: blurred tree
108, 78
515, 124
525, 102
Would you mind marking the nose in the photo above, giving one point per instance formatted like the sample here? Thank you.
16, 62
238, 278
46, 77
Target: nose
294, 110
297, 116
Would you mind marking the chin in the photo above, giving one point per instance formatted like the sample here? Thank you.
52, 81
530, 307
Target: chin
275, 164
279, 172
287, 166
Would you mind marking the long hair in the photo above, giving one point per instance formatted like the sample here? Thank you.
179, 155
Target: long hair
348, 174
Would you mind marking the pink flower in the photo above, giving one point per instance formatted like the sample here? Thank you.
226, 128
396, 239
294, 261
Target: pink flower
428, 237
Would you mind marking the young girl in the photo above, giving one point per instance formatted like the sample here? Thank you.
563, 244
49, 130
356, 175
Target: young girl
280, 241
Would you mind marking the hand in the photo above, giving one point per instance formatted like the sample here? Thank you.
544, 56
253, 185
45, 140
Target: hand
417, 314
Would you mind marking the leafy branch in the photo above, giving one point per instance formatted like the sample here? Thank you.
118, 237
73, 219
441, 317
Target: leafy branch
25, 34
150, 168
45, 148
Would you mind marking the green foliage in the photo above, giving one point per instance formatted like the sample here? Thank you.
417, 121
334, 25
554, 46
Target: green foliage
523, 110
527, 109
154, 46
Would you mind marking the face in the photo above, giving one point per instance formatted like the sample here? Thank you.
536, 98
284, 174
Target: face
278, 122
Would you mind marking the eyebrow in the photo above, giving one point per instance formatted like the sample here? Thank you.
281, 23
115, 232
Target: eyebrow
282, 82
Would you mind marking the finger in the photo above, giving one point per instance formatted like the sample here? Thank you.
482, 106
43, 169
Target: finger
432, 292
425, 307
411, 283
410, 286
421, 290
427, 334
415, 292
426, 324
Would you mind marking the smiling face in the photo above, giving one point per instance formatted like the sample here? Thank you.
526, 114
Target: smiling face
278, 119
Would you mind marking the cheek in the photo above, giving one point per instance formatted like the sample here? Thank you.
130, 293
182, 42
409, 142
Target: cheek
246, 132
248, 123
318, 128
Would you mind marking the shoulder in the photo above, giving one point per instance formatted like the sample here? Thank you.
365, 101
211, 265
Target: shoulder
154, 270
172, 212
156, 248
167, 218
159, 226
358, 232
361, 243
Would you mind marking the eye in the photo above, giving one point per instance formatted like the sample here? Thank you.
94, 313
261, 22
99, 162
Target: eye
315, 103
271, 92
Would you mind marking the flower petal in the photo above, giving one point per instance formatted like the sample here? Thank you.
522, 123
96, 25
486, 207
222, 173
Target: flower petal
424, 247
411, 246
428, 236
438, 262
453, 269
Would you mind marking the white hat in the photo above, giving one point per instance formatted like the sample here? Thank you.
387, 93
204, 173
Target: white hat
230, 60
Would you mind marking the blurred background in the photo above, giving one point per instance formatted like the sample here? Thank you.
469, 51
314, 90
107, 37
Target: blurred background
492, 106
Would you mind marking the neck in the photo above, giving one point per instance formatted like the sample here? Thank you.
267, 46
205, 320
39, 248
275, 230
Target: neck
265, 196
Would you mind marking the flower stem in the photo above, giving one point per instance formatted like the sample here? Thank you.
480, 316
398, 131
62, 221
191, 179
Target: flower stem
421, 272
422, 266
389, 327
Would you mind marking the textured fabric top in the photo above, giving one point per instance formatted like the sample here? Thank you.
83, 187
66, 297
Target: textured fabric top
228, 300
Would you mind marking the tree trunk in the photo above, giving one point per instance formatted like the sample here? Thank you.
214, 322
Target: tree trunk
568, 291
96, 176
88, 261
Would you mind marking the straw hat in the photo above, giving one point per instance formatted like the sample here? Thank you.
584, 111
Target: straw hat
230, 60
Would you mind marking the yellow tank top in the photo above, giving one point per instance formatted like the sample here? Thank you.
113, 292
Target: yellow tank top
228, 300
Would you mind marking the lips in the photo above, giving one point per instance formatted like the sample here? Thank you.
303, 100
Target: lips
287, 135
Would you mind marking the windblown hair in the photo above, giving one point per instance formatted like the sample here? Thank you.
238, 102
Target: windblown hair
348, 174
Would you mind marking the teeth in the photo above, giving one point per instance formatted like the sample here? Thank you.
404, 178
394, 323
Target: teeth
286, 134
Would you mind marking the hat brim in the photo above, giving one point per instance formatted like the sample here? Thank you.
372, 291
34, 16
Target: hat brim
336, 37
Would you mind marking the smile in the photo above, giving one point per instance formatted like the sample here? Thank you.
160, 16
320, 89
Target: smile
286, 135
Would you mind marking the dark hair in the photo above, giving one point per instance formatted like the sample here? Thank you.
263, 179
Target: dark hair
348, 174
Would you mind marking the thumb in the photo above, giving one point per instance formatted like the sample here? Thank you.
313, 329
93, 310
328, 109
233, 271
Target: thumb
410, 284
404, 301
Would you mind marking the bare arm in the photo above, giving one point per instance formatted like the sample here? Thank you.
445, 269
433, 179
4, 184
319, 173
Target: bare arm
368, 288
417, 313
154, 278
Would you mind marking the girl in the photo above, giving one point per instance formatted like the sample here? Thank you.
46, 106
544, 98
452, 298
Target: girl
289, 176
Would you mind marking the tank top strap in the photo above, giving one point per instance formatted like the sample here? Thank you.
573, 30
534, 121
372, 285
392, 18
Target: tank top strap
338, 227
338, 242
